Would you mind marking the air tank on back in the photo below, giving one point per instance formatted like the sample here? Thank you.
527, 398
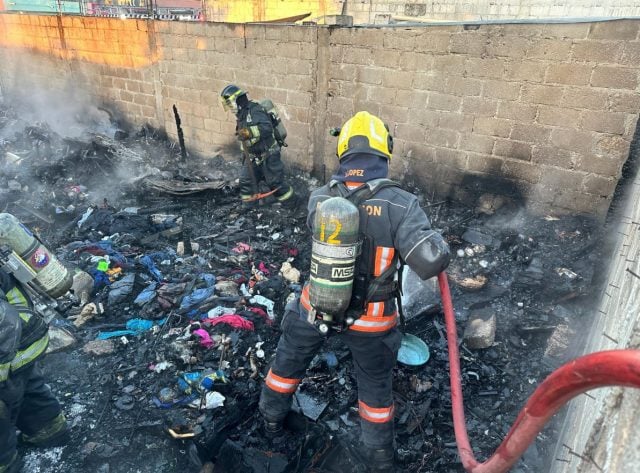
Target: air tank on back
334, 251
51, 276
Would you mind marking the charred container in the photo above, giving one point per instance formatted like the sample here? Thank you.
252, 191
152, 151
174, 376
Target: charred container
51, 277
334, 251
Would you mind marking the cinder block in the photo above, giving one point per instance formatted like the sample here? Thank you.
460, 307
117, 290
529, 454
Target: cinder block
553, 156
550, 49
631, 53
604, 122
302, 34
613, 146
564, 117
396, 79
516, 111
573, 140
597, 51
444, 138
479, 106
556, 178
580, 202
521, 171
431, 81
541, 94
513, 149
382, 95
484, 163
445, 102
471, 43
308, 51
476, 143
411, 133
614, 77
571, 74
513, 47
598, 164
618, 29
499, 89
449, 64
394, 115
456, 85
491, 68
599, 185
588, 98
456, 121
575, 30
492, 127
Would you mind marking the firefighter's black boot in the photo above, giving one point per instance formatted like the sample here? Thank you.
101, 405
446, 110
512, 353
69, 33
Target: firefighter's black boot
273, 429
380, 460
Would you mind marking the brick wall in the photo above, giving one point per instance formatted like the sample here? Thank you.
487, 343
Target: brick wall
545, 112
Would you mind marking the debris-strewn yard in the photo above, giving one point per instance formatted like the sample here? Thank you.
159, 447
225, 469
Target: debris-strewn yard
173, 333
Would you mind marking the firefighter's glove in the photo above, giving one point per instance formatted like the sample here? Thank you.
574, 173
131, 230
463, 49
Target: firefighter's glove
244, 134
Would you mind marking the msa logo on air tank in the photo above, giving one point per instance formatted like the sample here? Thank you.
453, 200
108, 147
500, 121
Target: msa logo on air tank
342, 273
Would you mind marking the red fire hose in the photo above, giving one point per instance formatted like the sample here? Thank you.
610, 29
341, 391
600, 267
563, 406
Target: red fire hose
607, 368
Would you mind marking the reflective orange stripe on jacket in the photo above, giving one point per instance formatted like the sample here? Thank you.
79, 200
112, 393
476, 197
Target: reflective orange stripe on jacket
372, 321
384, 258
280, 384
377, 415
375, 324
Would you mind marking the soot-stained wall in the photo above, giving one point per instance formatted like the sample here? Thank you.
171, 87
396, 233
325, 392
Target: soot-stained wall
545, 112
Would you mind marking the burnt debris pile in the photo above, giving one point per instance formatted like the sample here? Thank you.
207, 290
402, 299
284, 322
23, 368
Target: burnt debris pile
162, 347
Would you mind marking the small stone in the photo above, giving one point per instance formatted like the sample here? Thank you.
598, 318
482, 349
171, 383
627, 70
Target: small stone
99, 347
460, 253
480, 331
476, 237
558, 344
489, 203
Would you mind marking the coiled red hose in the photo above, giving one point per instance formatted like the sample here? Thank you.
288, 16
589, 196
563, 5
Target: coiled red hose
607, 368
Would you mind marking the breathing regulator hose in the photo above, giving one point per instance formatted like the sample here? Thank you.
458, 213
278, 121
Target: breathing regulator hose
606, 368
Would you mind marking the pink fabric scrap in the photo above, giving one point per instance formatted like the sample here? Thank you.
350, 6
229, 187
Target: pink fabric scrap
234, 320
241, 248
205, 338
263, 267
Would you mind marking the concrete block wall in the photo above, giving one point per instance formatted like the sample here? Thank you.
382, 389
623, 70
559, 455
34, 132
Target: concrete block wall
464, 10
600, 431
199, 59
545, 112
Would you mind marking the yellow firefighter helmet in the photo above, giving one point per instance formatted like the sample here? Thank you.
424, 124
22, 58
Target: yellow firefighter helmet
365, 133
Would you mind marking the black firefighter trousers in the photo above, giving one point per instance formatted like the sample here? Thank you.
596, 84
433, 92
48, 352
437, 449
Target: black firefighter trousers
374, 357
270, 170
27, 403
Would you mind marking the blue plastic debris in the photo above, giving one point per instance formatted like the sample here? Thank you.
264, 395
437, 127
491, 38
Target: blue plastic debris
413, 351
196, 297
147, 295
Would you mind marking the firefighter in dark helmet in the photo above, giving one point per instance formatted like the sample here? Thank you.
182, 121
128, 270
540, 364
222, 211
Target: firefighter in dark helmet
261, 144
26, 402
393, 230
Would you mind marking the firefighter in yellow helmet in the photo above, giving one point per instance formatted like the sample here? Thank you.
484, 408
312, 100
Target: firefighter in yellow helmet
394, 230
262, 144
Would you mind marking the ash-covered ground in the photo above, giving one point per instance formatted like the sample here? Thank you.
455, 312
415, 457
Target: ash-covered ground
187, 286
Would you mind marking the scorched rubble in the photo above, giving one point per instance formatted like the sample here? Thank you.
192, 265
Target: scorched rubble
176, 331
